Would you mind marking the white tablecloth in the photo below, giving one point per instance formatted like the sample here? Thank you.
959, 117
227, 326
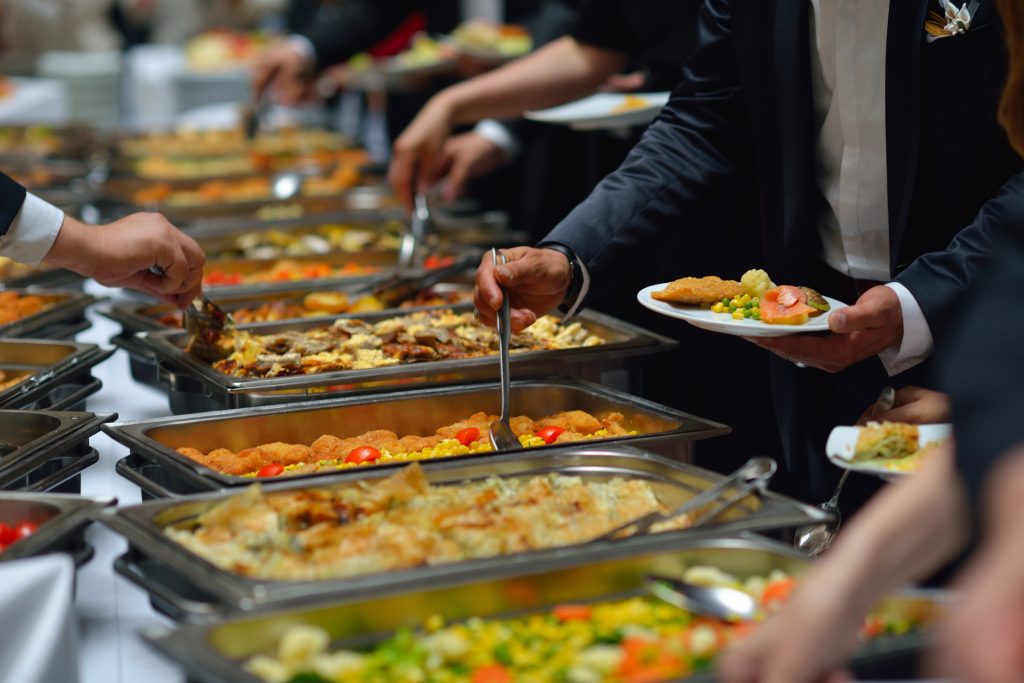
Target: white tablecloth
35, 100
110, 609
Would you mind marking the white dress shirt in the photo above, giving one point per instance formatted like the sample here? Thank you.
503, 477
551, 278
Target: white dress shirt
33, 231
848, 41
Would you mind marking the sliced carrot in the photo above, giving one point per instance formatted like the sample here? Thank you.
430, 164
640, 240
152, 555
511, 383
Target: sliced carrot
778, 592
491, 673
571, 612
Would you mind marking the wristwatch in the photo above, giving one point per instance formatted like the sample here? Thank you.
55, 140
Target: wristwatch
579, 283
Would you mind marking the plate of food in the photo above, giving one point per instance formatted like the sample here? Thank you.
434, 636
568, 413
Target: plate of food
604, 110
488, 42
754, 306
886, 449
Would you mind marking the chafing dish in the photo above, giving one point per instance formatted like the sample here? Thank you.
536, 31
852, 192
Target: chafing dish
63, 319
45, 141
62, 520
192, 587
59, 373
15, 275
194, 386
159, 470
46, 450
136, 317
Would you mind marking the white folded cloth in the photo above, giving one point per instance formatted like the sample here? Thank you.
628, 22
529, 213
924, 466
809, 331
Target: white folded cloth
38, 639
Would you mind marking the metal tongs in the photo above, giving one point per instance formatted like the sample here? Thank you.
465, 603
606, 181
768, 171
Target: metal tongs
419, 227
399, 287
208, 327
502, 436
752, 476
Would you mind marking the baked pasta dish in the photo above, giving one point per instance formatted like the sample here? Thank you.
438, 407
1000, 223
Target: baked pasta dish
329, 452
15, 306
404, 522
351, 344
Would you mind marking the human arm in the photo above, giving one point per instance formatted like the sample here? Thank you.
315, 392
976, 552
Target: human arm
559, 72
906, 532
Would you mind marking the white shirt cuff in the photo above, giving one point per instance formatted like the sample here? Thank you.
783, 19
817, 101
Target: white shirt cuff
304, 46
33, 231
917, 341
499, 136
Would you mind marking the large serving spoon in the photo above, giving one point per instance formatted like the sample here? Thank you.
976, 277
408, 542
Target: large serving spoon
717, 602
817, 538
502, 436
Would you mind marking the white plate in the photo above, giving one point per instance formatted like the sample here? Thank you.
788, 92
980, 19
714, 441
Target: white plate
598, 111
724, 323
391, 74
843, 440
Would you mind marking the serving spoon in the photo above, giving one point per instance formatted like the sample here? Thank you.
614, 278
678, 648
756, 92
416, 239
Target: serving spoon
817, 538
502, 436
717, 602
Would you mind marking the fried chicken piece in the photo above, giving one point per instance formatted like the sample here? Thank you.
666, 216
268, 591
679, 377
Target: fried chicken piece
193, 454
613, 423
572, 421
699, 290
522, 425
330, 447
481, 421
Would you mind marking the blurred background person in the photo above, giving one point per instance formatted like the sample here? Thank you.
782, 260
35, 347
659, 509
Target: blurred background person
32, 27
174, 21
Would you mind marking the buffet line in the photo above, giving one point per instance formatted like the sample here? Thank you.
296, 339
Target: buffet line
325, 504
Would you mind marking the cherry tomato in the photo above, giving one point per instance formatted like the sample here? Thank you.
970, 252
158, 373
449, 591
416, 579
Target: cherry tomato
25, 529
363, 454
550, 434
468, 435
491, 673
7, 535
270, 470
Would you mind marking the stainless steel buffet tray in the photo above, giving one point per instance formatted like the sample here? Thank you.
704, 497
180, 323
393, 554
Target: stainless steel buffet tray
64, 318
62, 520
216, 652
60, 373
136, 317
186, 586
159, 470
46, 450
195, 386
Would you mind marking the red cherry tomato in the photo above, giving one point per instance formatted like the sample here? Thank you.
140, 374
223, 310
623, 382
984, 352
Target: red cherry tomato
25, 529
550, 434
7, 535
468, 435
363, 454
270, 470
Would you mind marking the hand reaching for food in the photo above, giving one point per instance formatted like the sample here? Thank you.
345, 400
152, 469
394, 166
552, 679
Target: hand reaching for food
914, 405
465, 157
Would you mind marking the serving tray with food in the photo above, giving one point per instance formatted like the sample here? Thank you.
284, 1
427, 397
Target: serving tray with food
754, 306
43, 314
596, 617
46, 450
886, 449
376, 352
38, 374
33, 524
435, 522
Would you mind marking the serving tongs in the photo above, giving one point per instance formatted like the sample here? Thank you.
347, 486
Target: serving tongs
752, 477
210, 328
398, 288
415, 239
718, 602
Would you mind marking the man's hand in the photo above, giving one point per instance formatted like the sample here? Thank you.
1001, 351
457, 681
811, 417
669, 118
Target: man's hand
536, 279
285, 72
121, 254
865, 329
414, 158
465, 157
913, 405
980, 639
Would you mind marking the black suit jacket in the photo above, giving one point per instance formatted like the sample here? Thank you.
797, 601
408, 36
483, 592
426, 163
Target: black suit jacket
12, 196
350, 26
745, 104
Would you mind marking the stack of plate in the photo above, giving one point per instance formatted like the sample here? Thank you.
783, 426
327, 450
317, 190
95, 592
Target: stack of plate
93, 83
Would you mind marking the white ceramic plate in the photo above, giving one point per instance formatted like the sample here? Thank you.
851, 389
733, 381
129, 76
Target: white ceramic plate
723, 322
391, 74
843, 440
598, 111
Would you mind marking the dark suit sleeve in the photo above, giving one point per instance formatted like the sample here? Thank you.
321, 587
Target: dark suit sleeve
982, 364
678, 167
354, 26
553, 19
939, 280
12, 196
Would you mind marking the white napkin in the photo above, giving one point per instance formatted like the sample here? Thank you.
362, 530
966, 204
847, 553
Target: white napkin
38, 640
